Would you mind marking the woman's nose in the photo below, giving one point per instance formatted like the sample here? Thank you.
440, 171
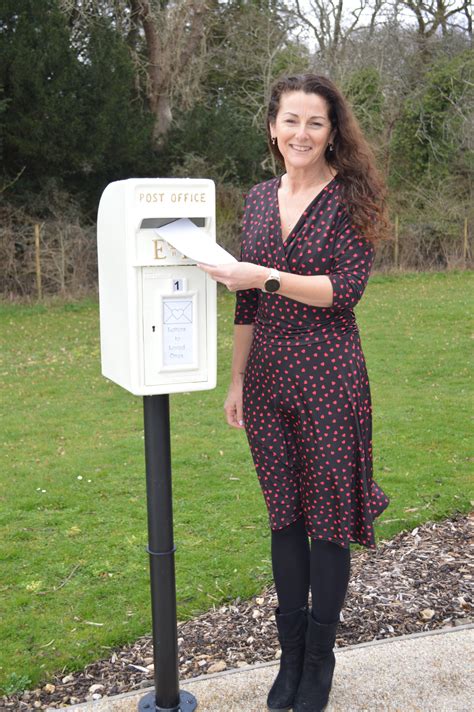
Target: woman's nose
301, 131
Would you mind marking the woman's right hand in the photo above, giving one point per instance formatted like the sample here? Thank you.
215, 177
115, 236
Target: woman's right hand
233, 405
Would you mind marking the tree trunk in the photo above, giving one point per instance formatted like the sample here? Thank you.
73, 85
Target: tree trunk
163, 118
168, 55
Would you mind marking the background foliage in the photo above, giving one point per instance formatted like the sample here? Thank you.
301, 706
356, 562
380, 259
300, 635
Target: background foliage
97, 91
76, 110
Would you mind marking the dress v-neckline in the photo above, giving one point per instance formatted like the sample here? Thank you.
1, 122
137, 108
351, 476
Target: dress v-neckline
296, 226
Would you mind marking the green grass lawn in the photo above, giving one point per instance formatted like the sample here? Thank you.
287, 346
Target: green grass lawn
74, 570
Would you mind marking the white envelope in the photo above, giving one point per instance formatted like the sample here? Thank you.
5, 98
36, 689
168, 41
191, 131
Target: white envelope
194, 242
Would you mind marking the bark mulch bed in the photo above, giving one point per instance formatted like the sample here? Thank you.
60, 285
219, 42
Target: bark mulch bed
421, 580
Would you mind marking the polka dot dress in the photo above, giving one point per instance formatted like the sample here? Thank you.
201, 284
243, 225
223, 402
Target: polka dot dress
306, 394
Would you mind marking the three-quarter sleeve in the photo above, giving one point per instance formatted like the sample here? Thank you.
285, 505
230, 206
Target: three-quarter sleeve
353, 258
246, 304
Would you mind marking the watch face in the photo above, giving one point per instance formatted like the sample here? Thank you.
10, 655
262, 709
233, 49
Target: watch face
272, 285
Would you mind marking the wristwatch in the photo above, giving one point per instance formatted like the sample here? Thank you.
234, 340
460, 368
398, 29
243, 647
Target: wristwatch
272, 282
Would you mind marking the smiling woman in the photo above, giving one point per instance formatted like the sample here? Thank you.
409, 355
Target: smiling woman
299, 382
302, 130
325, 119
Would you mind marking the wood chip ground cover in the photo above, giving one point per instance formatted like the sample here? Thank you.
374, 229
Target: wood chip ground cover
419, 581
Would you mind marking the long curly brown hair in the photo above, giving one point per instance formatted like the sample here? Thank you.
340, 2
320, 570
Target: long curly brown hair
363, 186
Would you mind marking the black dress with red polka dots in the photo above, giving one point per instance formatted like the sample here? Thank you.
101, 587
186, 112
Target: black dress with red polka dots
306, 395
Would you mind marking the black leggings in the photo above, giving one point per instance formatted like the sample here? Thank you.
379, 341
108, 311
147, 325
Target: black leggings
326, 566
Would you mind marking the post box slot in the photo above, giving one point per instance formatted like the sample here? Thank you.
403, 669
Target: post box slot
153, 223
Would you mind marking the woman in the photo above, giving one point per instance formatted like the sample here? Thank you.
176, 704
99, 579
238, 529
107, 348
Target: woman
299, 381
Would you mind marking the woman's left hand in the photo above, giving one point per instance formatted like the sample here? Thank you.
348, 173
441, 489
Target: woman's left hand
237, 275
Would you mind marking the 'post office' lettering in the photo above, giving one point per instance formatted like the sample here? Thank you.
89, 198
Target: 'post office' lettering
186, 198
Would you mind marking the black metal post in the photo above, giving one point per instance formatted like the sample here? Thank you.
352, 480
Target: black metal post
167, 696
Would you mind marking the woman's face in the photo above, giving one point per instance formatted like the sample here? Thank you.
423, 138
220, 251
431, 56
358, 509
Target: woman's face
303, 129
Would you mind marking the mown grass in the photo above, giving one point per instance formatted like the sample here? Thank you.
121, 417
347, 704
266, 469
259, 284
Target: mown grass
74, 573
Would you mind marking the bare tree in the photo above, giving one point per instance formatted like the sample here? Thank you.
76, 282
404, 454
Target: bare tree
253, 64
175, 36
434, 15
167, 41
331, 22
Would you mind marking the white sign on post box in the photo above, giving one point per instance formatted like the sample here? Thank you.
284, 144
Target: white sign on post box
157, 308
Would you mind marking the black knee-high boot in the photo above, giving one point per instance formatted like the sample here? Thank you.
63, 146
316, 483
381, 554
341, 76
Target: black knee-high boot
292, 636
318, 669
291, 569
330, 572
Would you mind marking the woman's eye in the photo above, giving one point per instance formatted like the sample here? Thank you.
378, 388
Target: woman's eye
313, 123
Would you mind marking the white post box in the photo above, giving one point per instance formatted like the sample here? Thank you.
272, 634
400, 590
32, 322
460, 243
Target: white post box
157, 309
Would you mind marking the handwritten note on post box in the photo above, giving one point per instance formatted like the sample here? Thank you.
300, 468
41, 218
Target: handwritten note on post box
194, 242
